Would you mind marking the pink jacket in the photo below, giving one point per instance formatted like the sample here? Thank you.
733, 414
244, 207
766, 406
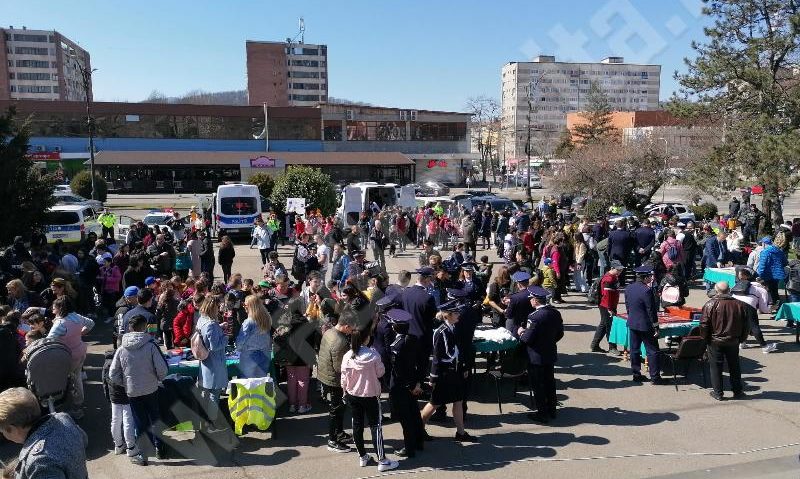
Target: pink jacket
110, 279
360, 373
665, 248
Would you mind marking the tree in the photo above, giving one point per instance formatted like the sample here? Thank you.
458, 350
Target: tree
265, 183
596, 125
485, 129
305, 182
565, 145
744, 75
25, 193
81, 185
611, 172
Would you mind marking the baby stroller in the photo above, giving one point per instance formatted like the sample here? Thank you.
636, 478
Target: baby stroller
47, 371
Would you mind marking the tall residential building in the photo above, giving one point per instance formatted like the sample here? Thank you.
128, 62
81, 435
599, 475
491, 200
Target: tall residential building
558, 88
287, 73
41, 65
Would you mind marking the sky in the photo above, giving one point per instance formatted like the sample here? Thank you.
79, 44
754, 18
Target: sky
432, 54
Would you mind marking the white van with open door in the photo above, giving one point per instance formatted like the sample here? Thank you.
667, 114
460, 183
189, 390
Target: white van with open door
358, 197
236, 208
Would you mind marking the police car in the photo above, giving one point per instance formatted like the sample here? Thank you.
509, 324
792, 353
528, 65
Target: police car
153, 218
70, 223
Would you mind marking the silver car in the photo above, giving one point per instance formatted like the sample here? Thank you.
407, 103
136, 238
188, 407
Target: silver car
63, 198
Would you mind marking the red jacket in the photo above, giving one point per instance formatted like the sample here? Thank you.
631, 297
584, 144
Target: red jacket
609, 294
182, 325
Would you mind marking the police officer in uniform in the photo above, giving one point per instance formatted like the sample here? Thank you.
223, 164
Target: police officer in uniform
422, 308
518, 306
475, 289
447, 370
405, 383
543, 330
642, 309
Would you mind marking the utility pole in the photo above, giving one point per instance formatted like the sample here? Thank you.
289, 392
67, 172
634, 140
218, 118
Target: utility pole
532, 86
666, 157
86, 77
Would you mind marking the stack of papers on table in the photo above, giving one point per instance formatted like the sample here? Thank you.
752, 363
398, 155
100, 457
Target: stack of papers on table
498, 335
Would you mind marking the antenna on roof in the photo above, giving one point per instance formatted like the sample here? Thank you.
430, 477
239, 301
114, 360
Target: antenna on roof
302, 25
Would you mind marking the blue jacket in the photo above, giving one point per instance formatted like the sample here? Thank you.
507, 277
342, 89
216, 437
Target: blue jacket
641, 306
422, 307
645, 238
213, 370
771, 263
543, 330
619, 245
713, 252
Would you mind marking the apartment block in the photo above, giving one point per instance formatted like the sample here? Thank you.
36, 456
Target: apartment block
548, 90
41, 65
287, 73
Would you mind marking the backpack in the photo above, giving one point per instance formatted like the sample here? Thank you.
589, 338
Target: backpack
672, 252
593, 295
671, 294
198, 347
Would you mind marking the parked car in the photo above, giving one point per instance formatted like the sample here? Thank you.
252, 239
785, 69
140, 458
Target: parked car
431, 188
62, 189
73, 199
471, 194
684, 212
497, 203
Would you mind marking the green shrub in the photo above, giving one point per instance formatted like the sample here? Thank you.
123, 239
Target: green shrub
264, 182
705, 211
81, 184
305, 182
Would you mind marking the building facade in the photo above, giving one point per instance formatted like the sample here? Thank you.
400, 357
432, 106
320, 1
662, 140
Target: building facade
41, 65
682, 144
286, 73
549, 90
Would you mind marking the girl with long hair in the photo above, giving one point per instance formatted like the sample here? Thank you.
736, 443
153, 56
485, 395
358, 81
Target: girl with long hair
254, 342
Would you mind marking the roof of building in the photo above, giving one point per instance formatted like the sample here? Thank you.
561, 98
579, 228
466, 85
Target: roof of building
235, 157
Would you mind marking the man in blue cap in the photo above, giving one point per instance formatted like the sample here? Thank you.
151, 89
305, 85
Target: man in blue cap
125, 304
771, 264
642, 309
405, 383
420, 304
518, 306
543, 330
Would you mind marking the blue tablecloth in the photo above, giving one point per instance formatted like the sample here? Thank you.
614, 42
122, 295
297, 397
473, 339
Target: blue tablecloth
714, 275
619, 331
788, 312
494, 346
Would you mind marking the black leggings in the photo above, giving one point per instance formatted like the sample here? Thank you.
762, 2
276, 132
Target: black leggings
371, 408
264, 253
226, 272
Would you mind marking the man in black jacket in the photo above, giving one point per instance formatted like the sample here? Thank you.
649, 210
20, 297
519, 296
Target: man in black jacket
544, 329
206, 254
405, 383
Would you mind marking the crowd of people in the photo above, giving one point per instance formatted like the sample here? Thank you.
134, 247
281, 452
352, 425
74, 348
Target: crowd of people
331, 314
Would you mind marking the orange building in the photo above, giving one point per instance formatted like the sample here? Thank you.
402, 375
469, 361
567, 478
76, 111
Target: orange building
629, 119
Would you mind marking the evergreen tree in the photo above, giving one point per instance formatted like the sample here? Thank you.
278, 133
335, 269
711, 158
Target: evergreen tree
745, 77
305, 182
25, 194
565, 145
596, 126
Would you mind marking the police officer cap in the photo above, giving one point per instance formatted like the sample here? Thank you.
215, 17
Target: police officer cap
468, 266
131, 291
425, 271
456, 293
643, 270
149, 280
398, 316
387, 299
453, 305
538, 292
520, 276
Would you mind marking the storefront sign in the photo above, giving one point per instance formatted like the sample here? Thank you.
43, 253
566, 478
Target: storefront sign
45, 156
298, 205
435, 163
262, 162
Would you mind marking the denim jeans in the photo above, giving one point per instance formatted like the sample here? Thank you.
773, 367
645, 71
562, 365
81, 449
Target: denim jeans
145, 417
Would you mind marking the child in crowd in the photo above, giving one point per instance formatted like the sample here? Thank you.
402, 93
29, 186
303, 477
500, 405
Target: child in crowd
484, 271
122, 425
549, 280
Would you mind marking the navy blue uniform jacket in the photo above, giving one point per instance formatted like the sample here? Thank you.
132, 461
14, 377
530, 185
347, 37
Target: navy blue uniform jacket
619, 245
641, 306
517, 311
544, 329
422, 308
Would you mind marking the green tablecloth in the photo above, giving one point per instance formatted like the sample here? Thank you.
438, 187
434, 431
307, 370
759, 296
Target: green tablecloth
788, 312
493, 346
191, 368
619, 331
714, 275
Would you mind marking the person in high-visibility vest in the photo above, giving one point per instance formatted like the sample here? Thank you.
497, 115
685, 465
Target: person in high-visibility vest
252, 401
107, 221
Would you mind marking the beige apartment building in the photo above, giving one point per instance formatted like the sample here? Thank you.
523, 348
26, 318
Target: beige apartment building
558, 88
287, 73
41, 65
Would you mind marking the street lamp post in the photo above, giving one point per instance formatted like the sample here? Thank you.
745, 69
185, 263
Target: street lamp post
86, 79
533, 85
666, 156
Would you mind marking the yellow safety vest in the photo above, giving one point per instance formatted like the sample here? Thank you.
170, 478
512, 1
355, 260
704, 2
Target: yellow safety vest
107, 220
252, 401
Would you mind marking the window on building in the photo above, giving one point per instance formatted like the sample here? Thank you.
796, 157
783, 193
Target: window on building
24, 37
33, 64
309, 51
376, 130
33, 89
31, 51
305, 63
305, 97
292, 74
438, 131
332, 130
33, 76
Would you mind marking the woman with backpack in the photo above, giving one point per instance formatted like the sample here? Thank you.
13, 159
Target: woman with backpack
672, 251
208, 344
673, 289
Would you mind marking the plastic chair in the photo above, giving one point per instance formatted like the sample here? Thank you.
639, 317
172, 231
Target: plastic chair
513, 366
690, 349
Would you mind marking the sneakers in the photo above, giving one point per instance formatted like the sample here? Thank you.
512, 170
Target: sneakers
344, 438
771, 347
304, 409
743, 346
387, 465
364, 460
465, 437
335, 446
119, 450
292, 409
139, 460
716, 395
597, 349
